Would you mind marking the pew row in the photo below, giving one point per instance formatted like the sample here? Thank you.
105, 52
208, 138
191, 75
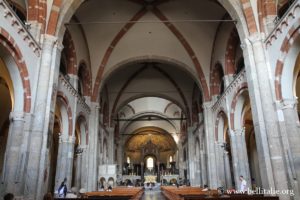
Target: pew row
194, 193
118, 193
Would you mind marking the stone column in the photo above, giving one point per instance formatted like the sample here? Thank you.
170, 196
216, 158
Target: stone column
158, 171
191, 155
235, 158
227, 170
220, 164
210, 149
272, 161
14, 158
111, 146
70, 160
62, 162
78, 160
92, 154
36, 183
142, 171
84, 167
242, 156
290, 129
203, 168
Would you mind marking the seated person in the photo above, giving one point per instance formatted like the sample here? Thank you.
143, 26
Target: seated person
109, 188
205, 188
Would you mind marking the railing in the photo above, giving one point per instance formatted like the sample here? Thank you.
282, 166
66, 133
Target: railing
74, 92
281, 21
21, 28
240, 77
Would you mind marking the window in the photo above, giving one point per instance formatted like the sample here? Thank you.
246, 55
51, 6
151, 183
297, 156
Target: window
171, 159
128, 160
150, 163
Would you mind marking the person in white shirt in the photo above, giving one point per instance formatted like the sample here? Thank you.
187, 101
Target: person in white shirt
243, 185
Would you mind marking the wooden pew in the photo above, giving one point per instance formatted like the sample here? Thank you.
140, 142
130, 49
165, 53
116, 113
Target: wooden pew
118, 193
193, 193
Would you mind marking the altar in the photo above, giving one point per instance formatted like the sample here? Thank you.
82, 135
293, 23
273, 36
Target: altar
150, 178
132, 178
169, 177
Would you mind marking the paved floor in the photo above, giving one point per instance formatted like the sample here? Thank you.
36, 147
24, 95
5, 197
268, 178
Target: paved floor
153, 195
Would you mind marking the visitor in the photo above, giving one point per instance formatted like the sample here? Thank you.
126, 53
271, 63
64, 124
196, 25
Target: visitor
62, 190
205, 188
9, 196
243, 184
109, 188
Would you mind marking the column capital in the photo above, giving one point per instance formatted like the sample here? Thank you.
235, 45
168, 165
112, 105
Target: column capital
17, 116
207, 104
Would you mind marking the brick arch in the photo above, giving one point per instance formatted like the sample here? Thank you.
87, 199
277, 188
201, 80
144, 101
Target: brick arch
265, 8
66, 103
53, 17
110, 49
69, 49
37, 11
287, 43
221, 113
11, 46
87, 78
188, 49
249, 16
216, 79
230, 52
81, 118
243, 87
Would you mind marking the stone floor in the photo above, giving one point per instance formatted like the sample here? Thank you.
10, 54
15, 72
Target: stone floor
153, 195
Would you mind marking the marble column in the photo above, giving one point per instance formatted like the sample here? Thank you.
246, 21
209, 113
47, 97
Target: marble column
235, 158
243, 161
78, 170
227, 170
70, 160
272, 162
36, 183
203, 168
210, 149
84, 167
92, 153
14, 158
191, 155
290, 129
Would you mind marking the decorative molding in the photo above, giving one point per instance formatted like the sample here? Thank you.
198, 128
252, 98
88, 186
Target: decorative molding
239, 79
283, 23
81, 100
21, 29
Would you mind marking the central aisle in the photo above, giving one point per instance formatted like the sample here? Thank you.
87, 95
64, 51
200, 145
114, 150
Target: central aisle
153, 195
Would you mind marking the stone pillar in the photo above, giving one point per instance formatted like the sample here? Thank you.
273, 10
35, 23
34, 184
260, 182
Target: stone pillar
92, 154
272, 161
78, 170
210, 149
13, 165
227, 170
36, 172
158, 171
203, 168
235, 158
220, 164
242, 156
84, 167
70, 160
64, 160
191, 155
142, 171
111, 146
290, 129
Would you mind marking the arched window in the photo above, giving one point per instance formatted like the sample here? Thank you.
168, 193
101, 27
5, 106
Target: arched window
150, 163
128, 160
171, 159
